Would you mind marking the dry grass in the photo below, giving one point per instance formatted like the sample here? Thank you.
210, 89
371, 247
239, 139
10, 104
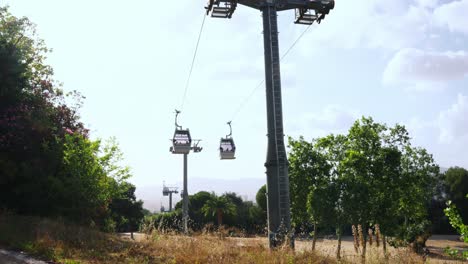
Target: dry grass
436, 245
65, 243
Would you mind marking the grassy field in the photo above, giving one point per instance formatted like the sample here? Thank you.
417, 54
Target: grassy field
64, 243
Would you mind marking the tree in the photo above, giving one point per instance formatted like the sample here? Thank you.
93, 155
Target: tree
371, 175
219, 206
456, 180
261, 198
241, 217
309, 174
196, 203
126, 211
456, 221
49, 166
34, 120
326, 200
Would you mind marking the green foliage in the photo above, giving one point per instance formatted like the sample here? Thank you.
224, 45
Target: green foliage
125, 210
456, 221
455, 253
261, 198
308, 173
370, 175
219, 206
244, 215
456, 180
49, 166
171, 221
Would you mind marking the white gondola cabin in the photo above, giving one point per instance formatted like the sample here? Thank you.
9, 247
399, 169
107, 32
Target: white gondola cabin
182, 142
227, 148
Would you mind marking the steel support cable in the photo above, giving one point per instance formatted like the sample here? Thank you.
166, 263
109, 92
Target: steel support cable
247, 99
187, 82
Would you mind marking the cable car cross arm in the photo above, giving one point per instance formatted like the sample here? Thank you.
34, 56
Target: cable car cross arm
280, 4
307, 11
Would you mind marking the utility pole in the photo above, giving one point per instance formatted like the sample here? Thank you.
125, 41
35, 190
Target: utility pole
182, 144
306, 12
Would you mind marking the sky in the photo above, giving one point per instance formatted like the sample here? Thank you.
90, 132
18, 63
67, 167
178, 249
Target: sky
400, 62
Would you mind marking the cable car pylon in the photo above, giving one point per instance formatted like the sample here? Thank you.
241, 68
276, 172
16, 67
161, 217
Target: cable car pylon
182, 144
307, 12
227, 148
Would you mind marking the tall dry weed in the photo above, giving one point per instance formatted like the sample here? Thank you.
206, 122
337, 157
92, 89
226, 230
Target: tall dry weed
377, 235
356, 239
370, 232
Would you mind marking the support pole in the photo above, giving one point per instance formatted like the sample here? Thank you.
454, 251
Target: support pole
279, 215
185, 197
170, 202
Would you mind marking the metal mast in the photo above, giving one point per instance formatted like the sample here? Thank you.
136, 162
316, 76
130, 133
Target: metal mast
183, 144
307, 11
168, 191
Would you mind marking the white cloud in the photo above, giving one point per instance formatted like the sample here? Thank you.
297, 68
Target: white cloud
425, 70
377, 24
332, 119
453, 15
453, 122
427, 3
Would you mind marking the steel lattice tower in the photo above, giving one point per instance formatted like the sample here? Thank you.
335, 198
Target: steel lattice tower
307, 11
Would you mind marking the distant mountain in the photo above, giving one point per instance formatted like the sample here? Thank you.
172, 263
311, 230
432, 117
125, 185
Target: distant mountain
153, 199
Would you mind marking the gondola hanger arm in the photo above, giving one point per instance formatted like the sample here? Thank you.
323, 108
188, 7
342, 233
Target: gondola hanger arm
177, 114
230, 129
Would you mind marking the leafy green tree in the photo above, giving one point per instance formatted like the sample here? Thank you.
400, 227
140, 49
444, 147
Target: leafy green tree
255, 218
309, 174
49, 166
261, 198
307, 168
456, 221
417, 189
34, 119
196, 203
126, 211
81, 188
219, 206
371, 175
326, 199
241, 217
261, 210
456, 180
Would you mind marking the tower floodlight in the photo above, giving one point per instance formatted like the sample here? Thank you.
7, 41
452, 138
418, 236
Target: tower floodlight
306, 12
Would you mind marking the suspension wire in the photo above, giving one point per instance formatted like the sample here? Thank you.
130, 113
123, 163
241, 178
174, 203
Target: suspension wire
247, 99
187, 82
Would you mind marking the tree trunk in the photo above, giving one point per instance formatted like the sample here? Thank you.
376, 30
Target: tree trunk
220, 217
384, 245
131, 235
314, 240
338, 249
364, 246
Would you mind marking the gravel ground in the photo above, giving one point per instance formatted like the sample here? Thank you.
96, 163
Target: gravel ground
10, 257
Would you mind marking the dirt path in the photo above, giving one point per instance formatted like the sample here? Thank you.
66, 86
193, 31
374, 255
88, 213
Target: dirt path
436, 245
327, 247
10, 257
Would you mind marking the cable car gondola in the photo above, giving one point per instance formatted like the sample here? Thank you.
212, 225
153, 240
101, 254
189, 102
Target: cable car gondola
181, 142
227, 148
